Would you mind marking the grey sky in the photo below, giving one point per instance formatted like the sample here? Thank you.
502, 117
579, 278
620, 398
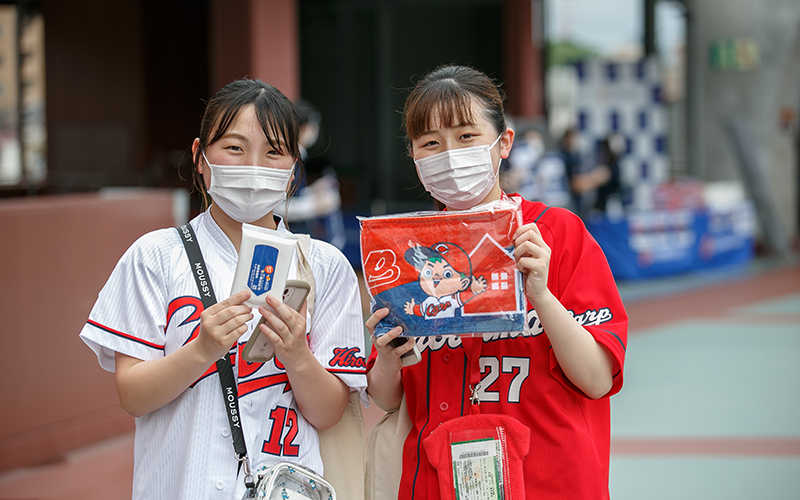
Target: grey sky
607, 25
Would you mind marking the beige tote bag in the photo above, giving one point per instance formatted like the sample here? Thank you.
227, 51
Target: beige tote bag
385, 454
341, 446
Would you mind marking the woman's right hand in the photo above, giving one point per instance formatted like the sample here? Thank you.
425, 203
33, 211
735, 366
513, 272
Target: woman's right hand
388, 355
222, 324
145, 386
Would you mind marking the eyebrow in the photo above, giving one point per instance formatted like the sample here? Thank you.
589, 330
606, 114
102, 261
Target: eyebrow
234, 135
458, 125
238, 136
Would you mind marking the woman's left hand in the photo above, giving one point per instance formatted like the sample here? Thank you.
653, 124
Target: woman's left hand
533, 260
286, 331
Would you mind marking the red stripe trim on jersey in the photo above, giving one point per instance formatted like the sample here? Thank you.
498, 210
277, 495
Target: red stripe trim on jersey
257, 384
353, 372
124, 335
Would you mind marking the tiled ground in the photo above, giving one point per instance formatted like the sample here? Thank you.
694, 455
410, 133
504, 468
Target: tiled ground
711, 403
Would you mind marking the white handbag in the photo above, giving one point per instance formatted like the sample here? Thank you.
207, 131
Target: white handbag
288, 481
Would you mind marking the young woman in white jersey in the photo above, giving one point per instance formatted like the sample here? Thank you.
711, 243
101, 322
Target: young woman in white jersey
147, 325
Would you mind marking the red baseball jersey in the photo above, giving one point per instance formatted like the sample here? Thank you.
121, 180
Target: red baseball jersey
520, 377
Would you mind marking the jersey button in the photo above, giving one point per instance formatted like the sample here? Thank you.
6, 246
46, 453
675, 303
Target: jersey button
444, 406
220, 484
226, 433
446, 357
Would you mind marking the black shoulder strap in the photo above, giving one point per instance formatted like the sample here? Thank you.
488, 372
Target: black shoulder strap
198, 265
229, 390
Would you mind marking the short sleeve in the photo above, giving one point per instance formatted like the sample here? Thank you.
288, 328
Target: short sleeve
582, 281
129, 315
337, 329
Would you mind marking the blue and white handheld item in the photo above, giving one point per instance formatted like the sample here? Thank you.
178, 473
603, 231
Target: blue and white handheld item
265, 257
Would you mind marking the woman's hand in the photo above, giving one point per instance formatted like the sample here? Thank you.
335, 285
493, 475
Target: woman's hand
145, 386
584, 361
287, 332
222, 324
384, 383
388, 354
533, 260
321, 396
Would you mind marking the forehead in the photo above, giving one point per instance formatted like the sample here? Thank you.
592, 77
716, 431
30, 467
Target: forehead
454, 114
246, 121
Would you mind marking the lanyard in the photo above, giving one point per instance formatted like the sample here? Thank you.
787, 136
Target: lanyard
230, 391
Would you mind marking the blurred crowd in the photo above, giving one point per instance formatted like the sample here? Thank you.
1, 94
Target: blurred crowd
555, 171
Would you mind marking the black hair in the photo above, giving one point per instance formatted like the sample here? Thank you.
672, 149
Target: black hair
450, 90
276, 114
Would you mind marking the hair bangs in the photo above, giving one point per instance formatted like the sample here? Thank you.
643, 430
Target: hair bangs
442, 105
279, 124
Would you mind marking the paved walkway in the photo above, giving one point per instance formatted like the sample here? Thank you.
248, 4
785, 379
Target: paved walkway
710, 408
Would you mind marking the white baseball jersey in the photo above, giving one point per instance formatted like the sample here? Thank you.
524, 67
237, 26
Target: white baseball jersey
441, 307
150, 307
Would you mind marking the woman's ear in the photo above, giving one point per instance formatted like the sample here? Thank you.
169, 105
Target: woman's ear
195, 145
506, 141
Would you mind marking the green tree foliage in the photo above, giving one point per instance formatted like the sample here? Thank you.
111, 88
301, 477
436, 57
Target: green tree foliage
562, 52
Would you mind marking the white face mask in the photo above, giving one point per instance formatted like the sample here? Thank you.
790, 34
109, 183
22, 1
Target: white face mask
247, 193
460, 177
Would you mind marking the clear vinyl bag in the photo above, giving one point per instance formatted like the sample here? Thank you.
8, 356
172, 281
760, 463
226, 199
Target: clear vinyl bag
445, 273
480, 457
285, 480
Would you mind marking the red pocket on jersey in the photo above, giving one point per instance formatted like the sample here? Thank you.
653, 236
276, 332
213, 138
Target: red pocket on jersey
480, 456
444, 273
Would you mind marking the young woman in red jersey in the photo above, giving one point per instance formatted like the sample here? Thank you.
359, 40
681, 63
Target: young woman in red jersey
556, 378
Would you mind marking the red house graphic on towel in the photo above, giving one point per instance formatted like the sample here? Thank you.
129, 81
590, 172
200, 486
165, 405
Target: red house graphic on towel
497, 266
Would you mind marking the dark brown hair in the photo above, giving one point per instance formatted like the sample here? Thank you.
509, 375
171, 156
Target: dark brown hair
275, 113
450, 91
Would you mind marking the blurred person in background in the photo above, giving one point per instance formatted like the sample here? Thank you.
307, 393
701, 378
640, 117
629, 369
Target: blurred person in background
316, 208
521, 172
608, 156
582, 184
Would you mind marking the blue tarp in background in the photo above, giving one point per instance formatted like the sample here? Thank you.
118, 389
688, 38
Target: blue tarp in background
659, 243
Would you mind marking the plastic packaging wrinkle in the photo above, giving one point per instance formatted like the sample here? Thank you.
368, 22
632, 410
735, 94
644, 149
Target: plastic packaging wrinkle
445, 273
265, 257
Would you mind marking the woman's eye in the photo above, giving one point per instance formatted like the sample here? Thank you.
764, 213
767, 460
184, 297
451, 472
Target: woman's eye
466, 137
429, 144
448, 274
234, 148
427, 273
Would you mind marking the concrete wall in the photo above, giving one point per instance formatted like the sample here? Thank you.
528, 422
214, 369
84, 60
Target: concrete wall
758, 95
56, 252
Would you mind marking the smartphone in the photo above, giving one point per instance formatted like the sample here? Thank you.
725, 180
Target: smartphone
413, 356
259, 348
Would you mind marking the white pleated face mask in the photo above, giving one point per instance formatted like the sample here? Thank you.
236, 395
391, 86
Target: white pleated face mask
459, 178
247, 193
